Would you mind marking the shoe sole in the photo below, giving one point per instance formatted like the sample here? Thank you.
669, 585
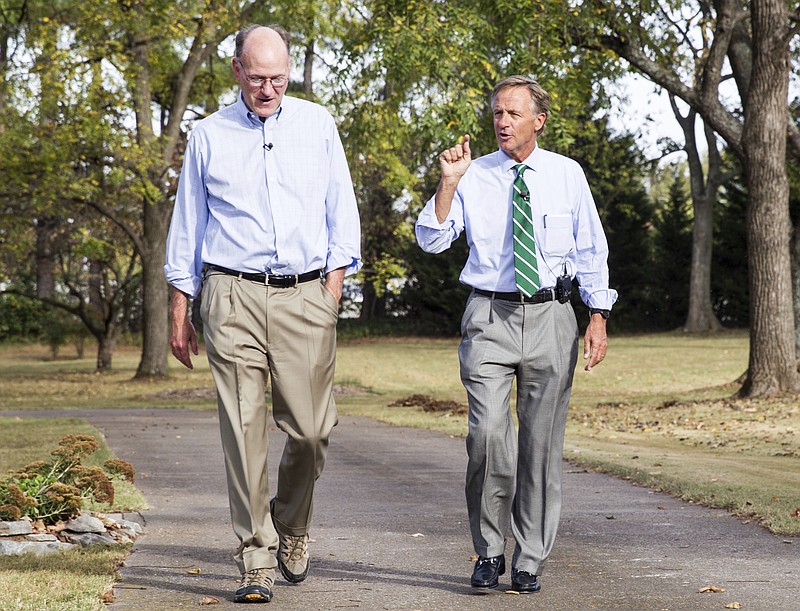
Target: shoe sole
524, 589
485, 586
252, 598
291, 577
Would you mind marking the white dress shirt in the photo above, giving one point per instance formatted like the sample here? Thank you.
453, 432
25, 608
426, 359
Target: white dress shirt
273, 196
567, 228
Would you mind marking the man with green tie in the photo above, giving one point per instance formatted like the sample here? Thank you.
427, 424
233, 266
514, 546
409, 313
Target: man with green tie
532, 227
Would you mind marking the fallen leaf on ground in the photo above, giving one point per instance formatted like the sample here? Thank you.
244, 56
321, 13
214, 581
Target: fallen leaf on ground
417, 535
714, 589
194, 571
209, 600
733, 606
107, 597
796, 513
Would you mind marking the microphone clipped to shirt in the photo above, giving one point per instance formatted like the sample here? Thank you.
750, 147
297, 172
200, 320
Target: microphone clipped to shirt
268, 146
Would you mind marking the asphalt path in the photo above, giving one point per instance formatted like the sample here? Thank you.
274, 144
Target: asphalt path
390, 531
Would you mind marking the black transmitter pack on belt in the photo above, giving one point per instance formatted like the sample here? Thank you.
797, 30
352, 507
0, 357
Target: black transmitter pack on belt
563, 288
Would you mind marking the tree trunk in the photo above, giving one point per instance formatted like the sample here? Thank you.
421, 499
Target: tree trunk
105, 349
308, 65
155, 302
369, 300
45, 259
772, 367
700, 317
796, 291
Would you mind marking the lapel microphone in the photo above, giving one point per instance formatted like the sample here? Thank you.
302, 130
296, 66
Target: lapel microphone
268, 146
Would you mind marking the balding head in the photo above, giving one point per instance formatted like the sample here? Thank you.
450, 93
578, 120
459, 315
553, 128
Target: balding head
245, 32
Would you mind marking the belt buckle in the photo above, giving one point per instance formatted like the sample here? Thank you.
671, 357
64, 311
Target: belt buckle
284, 281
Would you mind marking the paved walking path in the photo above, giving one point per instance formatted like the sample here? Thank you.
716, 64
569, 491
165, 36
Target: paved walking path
390, 531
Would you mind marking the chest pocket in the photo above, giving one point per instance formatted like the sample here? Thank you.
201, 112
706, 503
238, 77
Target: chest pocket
558, 239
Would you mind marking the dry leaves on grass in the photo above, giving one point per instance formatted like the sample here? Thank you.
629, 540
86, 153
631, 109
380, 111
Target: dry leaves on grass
766, 426
429, 404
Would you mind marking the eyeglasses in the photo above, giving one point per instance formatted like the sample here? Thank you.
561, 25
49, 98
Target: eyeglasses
259, 81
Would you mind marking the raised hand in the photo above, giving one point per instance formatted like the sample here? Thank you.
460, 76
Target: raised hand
455, 161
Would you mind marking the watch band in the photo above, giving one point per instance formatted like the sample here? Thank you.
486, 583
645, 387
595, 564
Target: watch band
604, 313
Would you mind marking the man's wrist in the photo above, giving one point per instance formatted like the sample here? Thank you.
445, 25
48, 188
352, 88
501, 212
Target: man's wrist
604, 313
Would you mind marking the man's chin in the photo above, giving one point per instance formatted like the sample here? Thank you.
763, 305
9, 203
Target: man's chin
265, 110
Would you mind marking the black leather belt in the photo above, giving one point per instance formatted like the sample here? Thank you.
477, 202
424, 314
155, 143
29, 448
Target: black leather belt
540, 296
279, 280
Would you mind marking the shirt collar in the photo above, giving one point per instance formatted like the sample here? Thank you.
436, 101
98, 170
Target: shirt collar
507, 164
251, 118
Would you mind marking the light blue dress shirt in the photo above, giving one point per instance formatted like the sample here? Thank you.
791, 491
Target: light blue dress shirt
567, 227
273, 196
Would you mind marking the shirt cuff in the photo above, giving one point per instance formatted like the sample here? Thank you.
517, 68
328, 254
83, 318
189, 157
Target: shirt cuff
601, 299
351, 265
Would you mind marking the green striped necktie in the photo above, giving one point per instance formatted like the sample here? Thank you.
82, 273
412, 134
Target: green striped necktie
525, 268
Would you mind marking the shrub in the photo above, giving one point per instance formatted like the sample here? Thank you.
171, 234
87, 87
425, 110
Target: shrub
55, 490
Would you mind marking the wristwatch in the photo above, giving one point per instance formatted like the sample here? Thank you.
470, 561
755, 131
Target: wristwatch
604, 313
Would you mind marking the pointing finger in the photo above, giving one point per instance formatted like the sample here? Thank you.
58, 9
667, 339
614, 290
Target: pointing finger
465, 144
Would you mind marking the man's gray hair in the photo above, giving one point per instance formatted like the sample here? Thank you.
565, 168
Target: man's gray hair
242, 35
540, 99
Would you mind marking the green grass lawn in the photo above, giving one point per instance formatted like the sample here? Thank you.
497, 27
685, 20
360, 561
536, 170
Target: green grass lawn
658, 411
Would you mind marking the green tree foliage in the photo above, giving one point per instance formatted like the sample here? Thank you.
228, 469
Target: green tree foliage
672, 256
616, 171
410, 79
729, 287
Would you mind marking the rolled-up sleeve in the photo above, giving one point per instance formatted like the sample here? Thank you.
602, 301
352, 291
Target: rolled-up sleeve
433, 236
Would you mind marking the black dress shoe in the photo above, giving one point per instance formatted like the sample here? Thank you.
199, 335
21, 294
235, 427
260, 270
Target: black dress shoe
523, 582
487, 571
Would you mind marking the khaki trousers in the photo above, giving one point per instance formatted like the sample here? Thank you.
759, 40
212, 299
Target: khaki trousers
516, 477
252, 332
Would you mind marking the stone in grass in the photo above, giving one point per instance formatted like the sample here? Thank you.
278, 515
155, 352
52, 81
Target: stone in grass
10, 548
17, 527
86, 524
42, 537
89, 538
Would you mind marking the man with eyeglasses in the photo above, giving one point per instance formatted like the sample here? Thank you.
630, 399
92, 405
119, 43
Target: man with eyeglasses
532, 227
266, 221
